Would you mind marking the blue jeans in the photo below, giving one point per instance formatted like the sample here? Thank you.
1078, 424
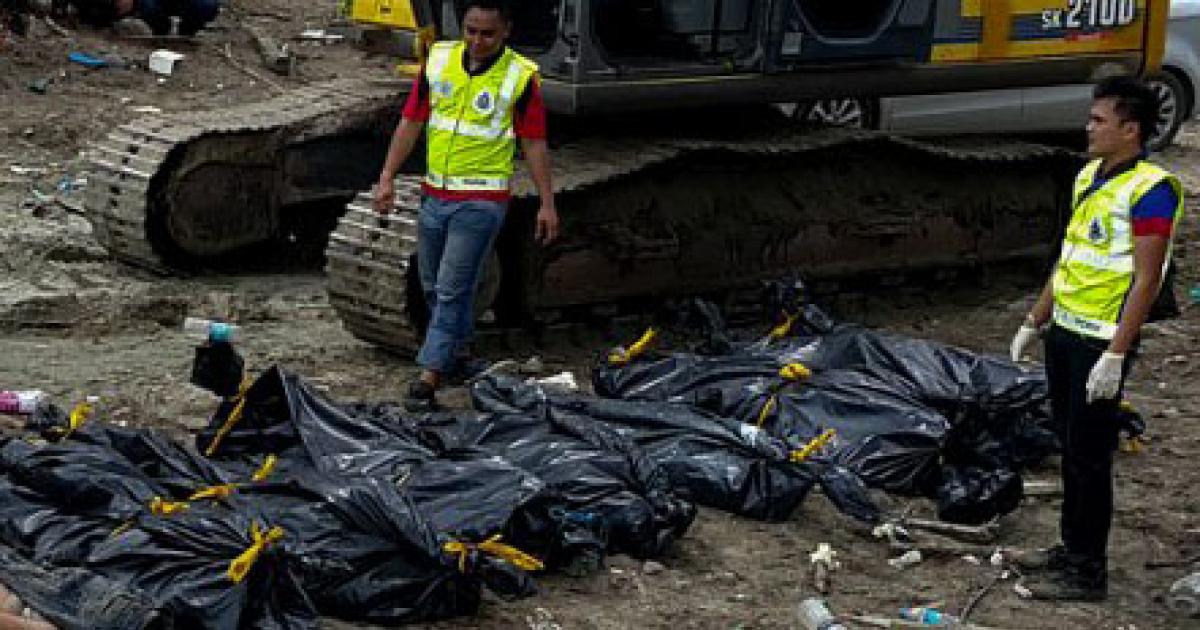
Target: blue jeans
193, 14
453, 241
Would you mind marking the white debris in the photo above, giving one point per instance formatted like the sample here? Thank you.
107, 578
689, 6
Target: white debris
908, 559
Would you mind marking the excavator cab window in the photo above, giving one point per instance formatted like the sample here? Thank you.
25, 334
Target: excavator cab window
654, 31
847, 20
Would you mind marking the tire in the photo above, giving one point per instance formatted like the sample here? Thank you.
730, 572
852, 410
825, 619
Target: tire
843, 111
1173, 107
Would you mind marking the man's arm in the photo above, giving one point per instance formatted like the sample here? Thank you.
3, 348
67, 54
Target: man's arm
408, 132
537, 154
1149, 253
1043, 308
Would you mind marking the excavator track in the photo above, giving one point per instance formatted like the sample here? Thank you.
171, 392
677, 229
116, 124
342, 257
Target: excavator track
369, 260
136, 167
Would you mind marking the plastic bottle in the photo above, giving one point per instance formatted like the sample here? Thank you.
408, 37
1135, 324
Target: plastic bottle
1184, 597
928, 616
20, 402
815, 615
211, 330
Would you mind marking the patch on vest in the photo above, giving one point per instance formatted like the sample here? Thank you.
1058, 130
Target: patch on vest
441, 88
1096, 231
484, 103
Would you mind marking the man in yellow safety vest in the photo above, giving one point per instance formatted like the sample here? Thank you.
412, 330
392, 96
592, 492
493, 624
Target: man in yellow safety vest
1091, 310
475, 100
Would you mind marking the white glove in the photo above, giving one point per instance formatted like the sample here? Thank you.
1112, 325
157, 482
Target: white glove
1025, 336
1105, 378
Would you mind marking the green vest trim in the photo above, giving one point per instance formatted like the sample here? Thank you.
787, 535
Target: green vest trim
470, 141
1095, 268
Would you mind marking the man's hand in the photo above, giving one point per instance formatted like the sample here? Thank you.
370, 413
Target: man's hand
545, 231
385, 196
1105, 378
1025, 336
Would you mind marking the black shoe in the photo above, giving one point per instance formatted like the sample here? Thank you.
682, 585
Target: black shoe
1069, 584
1050, 559
420, 397
465, 369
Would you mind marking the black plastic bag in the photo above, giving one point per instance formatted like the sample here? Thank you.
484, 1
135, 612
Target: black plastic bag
73, 598
218, 368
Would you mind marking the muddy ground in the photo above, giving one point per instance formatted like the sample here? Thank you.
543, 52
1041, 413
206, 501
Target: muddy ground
74, 323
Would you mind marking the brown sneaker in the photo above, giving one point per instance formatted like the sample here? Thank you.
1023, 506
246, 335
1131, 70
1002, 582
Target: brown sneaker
1049, 559
1069, 584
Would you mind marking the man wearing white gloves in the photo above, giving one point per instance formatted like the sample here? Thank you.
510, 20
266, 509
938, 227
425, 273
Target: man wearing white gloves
1090, 314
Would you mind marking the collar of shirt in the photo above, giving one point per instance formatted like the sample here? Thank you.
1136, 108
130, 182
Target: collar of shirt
1102, 176
484, 66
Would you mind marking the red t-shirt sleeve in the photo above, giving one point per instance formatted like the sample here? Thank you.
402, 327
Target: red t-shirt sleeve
529, 114
416, 108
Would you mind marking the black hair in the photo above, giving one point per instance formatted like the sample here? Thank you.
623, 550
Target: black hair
1134, 101
489, 5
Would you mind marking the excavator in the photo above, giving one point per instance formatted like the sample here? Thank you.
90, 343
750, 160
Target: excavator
673, 175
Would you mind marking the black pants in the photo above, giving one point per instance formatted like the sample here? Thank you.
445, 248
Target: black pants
1089, 437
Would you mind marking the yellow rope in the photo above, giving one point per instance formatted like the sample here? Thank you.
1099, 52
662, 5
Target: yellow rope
622, 356
79, 416
781, 331
268, 467
795, 372
163, 507
813, 446
214, 492
767, 408
493, 547
231, 420
240, 566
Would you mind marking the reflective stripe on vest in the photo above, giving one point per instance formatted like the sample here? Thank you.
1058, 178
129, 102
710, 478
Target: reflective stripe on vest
471, 143
1095, 270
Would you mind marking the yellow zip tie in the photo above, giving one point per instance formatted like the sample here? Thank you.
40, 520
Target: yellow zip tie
813, 446
231, 420
121, 529
795, 372
79, 416
622, 356
264, 471
1127, 406
493, 547
162, 507
767, 408
241, 565
214, 492
781, 331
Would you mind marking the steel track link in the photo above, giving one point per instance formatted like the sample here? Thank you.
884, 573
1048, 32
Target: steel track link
367, 263
124, 167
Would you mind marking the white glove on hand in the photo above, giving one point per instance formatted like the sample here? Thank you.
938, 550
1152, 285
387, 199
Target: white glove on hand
1105, 378
1020, 343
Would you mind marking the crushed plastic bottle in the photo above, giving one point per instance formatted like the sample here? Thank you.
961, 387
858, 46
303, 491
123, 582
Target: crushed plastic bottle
1184, 597
928, 616
20, 402
211, 330
815, 615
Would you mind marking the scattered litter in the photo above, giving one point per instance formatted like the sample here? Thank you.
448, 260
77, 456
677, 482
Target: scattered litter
823, 561
17, 169
650, 567
532, 366
319, 35
814, 614
892, 531
1184, 597
541, 619
145, 109
997, 559
163, 61
1022, 591
907, 559
562, 380
39, 86
972, 560
87, 60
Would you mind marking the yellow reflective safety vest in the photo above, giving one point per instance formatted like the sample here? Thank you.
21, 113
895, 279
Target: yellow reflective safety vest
1095, 268
471, 145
